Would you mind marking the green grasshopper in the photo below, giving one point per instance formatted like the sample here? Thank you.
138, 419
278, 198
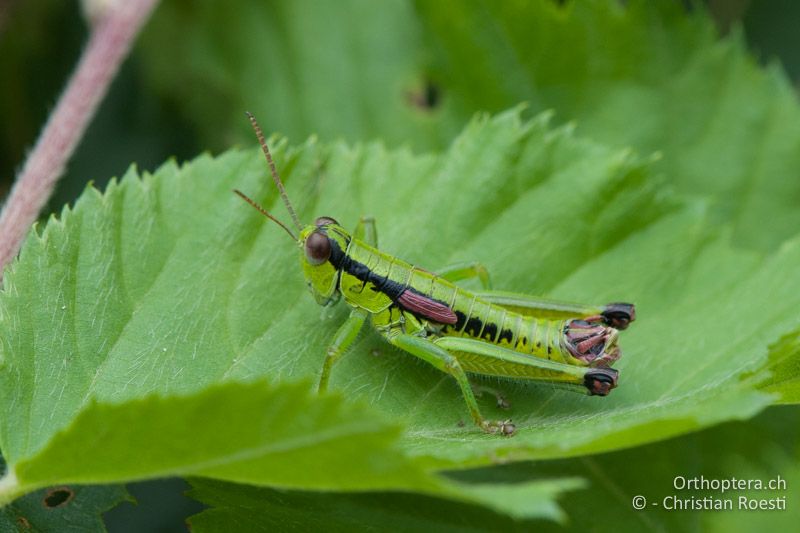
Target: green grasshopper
458, 331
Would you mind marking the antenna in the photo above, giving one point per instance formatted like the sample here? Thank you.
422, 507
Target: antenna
265, 213
274, 172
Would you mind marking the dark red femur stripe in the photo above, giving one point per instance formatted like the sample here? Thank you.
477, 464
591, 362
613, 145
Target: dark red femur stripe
426, 307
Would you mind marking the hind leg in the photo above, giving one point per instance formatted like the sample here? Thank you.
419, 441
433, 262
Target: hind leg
447, 362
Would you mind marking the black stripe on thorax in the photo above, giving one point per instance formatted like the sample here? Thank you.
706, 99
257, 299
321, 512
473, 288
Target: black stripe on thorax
341, 261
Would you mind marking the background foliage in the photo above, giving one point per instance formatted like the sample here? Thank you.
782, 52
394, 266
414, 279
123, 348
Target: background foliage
128, 286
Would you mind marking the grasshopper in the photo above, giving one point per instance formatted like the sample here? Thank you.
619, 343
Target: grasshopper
460, 332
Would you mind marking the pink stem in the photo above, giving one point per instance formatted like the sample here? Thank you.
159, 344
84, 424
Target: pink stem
109, 43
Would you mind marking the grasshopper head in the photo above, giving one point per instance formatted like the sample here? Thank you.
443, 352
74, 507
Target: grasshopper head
323, 247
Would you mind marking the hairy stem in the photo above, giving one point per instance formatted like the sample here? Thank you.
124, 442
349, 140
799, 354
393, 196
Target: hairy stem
110, 40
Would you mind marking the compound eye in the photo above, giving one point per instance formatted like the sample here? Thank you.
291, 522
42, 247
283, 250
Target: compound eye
318, 248
324, 221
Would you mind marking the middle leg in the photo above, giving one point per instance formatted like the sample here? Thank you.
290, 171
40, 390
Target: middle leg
460, 271
367, 231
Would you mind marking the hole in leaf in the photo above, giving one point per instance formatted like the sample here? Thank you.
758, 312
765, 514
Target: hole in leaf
58, 497
427, 97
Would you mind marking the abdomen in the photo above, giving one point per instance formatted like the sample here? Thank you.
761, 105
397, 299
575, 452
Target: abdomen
486, 322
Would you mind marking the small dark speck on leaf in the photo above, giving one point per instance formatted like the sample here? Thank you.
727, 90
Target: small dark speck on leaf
460, 423
23, 522
58, 497
427, 97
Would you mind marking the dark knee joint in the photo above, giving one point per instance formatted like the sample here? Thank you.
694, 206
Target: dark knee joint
619, 315
600, 381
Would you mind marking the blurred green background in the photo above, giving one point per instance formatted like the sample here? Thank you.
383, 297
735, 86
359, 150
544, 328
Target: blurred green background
144, 120
41, 41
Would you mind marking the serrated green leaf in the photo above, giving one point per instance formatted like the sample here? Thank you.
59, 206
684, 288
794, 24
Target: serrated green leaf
763, 449
258, 509
646, 74
250, 433
62, 509
170, 285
